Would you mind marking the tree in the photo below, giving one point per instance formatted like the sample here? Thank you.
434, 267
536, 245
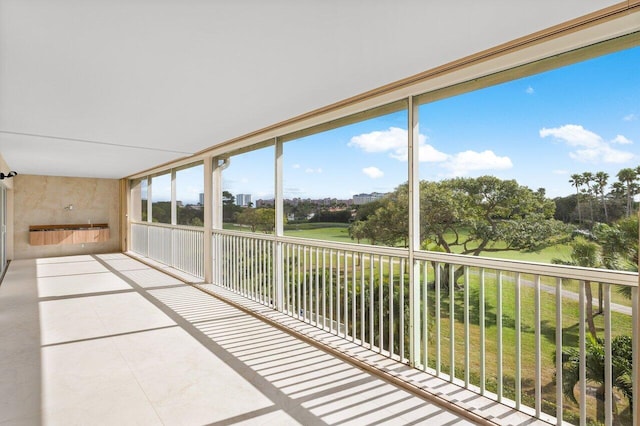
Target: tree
622, 360
584, 253
587, 180
577, 181
262, 219
469, 216
627, 178
357, 231
489, 211
601, 180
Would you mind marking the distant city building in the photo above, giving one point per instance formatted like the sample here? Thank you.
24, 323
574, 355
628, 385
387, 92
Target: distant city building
243, 200
265, 203
367, 198
201, 202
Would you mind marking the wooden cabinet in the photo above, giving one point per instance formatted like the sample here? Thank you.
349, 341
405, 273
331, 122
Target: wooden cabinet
40, 235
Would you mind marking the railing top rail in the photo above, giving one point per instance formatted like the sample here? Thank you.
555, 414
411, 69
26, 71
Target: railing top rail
353, 247
167, 225
535, 268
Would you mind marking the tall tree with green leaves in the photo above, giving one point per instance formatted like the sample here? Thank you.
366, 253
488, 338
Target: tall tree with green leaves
601, 179
627, 178
587, 180
576, 181
470, 216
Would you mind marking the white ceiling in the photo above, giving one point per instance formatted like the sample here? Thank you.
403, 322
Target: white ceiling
107, 88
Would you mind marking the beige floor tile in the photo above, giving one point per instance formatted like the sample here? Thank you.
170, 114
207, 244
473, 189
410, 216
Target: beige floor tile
90, 383
186, 383
60, 268
80, 284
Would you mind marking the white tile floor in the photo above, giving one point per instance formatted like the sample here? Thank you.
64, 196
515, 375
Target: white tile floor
106, 340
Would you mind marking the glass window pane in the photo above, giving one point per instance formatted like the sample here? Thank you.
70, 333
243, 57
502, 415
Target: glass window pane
350, 183
546, 150
161, 198
248, 191
144, 209
190, 196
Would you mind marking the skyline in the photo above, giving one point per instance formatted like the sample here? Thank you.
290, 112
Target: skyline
538, 130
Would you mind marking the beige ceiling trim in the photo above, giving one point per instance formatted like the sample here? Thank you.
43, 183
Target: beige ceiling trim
606, 24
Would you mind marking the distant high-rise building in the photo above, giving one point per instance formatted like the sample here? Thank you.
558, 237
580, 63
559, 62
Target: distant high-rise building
243, 200
201, 202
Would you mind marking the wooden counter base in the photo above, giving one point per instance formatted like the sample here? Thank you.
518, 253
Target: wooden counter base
40, 235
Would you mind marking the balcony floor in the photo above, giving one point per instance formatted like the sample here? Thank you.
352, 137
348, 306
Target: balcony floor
105, 339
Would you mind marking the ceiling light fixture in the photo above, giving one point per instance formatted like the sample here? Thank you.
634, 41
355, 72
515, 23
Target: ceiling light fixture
8, 175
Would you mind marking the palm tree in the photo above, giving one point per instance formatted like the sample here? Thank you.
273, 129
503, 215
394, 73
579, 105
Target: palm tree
627, 177
576, 180
622, 361
601, 180
587, 179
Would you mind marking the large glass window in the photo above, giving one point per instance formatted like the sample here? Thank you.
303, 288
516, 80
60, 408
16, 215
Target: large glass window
349, 183
190, 195
532, 160
161, 198
248, 191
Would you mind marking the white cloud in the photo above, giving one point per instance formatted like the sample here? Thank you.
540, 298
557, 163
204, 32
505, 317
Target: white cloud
621, 140
310, 170
295, 166
394, 141
561, 172
630, 117
462, 163
530, 90
591, 147
373, 172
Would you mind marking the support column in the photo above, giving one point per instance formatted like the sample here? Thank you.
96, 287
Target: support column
174, 201
278, 265
208, 207
635, 295
414, 233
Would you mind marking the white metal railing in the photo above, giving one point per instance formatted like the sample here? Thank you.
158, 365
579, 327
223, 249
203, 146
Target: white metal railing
181, 247
497, 327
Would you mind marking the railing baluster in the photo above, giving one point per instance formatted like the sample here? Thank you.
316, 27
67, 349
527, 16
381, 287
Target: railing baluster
452, 342
346, 295
362, 306
298, 289
538, 347
583, 355
401, 331
305, 312
499, 334
425, 315
338, 284
608, 366
518, 344
331, 290
380, 305
483, 369
324, 288
371, 303
354, 299
391, 313
559, 407
467, 336
438, 317
317, 295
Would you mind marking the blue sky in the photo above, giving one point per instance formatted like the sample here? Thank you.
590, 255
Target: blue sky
538, 130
